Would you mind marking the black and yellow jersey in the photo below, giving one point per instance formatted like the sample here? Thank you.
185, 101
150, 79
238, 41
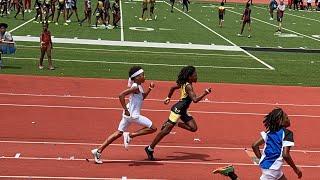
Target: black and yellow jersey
184, 102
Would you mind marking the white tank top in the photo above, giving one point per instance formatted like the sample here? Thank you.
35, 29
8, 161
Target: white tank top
135, 101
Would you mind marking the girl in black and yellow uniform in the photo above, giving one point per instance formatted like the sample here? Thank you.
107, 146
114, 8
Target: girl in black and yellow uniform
99, 12
186, 77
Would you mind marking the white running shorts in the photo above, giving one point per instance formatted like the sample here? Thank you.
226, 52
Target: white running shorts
271, 174
126, 121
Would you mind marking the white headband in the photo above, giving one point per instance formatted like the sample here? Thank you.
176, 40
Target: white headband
140, 71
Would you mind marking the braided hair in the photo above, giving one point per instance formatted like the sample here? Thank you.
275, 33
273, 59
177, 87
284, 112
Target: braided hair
274, 120
184, 74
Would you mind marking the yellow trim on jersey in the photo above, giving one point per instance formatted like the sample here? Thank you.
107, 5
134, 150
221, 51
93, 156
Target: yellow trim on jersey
183, 92
174, 117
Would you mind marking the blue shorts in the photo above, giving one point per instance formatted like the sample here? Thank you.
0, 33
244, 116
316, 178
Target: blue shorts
7, 49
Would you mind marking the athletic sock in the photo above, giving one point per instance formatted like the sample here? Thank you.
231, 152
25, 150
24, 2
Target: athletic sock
149, 148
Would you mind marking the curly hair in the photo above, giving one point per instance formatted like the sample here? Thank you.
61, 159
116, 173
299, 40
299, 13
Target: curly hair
184, 74
273, 121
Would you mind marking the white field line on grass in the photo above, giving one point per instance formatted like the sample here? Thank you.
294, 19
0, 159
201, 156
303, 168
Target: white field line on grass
133, 51
21, 25
66, 177
140, 63
121, 21
286, 13
157, 100
246, 52
277, 26
144, 145
148, 110
151, 162
132, 44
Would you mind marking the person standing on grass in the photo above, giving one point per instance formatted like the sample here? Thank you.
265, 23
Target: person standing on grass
27, 6
185, 5
309, 5
53, 9
295, 4
6, 42
179, 111
73, 9
45, 46
172, 5
221, 13
152, 5
131, 112
47, 4
272, 6
99, 13
277, 140
4, 4
144, 9
87, 12
38, 7
20, 8
107, 8
116, 13
246, 19
280, 12
61, 7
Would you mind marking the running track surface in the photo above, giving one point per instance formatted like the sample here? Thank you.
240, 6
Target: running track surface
49, 125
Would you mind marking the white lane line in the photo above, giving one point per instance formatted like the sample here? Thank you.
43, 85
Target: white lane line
133, 44
277, 26
17, 155
106, 51
21, 25
159, 100
141, 145
246, 52
149, 110
141, 63
67, 177
152, 162
121, 21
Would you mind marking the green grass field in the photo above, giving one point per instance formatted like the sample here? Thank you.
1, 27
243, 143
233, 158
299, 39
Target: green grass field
200, 26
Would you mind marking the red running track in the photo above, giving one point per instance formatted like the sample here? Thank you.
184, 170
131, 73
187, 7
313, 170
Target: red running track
75, 110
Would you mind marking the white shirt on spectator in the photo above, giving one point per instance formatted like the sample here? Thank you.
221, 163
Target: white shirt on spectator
6, 36
281, 7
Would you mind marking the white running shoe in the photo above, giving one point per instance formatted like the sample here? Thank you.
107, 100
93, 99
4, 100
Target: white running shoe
126, 139
97, 155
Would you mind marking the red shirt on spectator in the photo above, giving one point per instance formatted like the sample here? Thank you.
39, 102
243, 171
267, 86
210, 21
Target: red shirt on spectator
46, 38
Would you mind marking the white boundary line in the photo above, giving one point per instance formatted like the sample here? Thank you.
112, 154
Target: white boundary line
21, 25
66, 177
277, 26
158, 100
148, 110
134, 51
121, 22
151, 162
291, 14
140, 63
137, 145
246, 52
132, 44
